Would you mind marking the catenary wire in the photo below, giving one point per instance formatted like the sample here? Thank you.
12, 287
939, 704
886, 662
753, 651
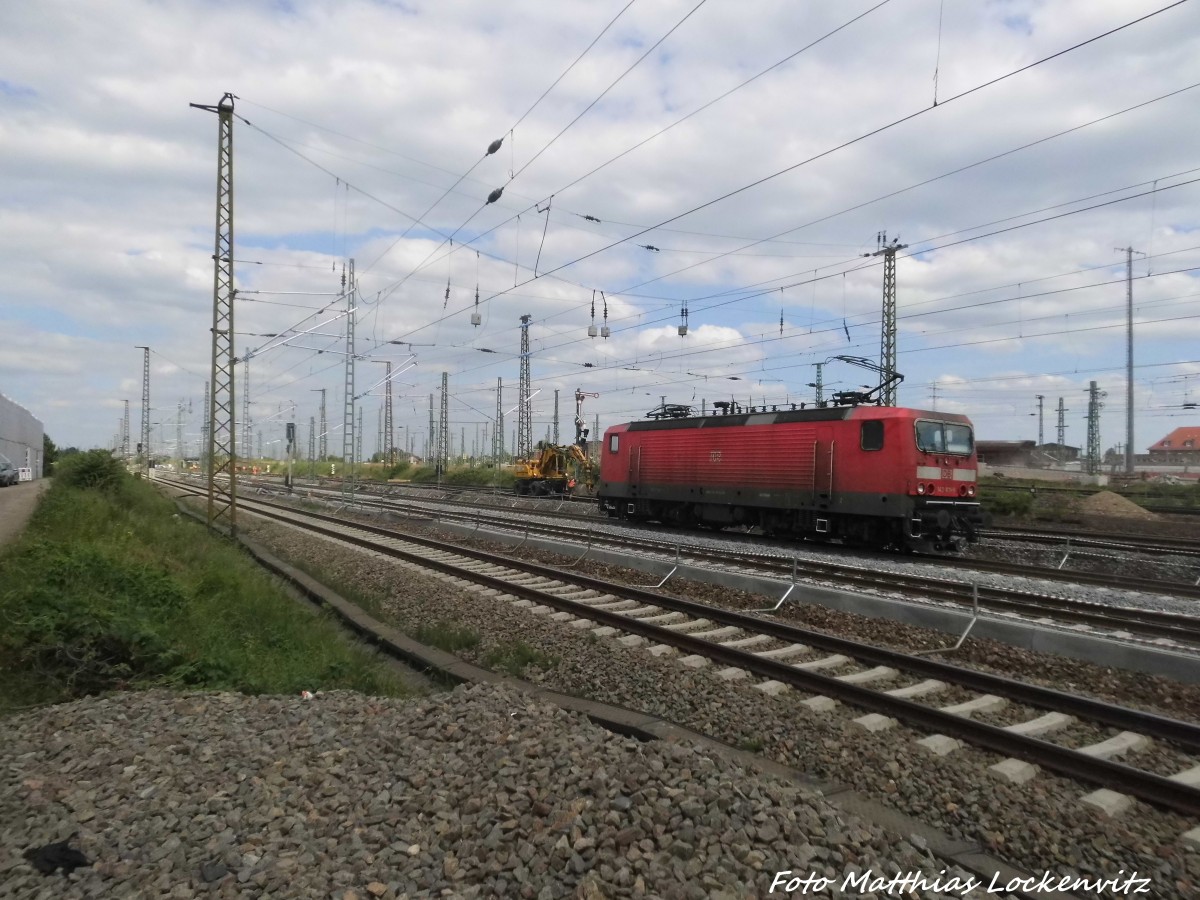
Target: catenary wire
851, 142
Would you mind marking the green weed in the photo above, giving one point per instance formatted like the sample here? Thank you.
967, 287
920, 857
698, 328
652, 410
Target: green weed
513, 658
109, 588
448, 636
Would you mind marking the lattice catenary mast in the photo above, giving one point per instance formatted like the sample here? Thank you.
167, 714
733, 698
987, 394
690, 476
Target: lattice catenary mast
348, 395
525, 406
1093, 427
322, 435
179, 451
203, 454
498, 426
144, 447
358, 437
1129, 251
247, 429
222, 453
443, 441
554, 439
819, 384
431, 438
389, 441
887, 343
125, 436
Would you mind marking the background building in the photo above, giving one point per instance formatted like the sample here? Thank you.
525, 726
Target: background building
20, 436
1180, 448
1026, 454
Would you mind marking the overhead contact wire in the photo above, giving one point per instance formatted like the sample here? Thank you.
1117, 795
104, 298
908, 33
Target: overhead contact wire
849, 143
869, 134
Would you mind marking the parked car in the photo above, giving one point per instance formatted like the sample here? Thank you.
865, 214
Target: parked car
8, 472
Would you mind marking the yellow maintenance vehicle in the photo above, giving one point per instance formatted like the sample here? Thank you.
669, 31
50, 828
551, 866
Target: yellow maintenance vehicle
553, 469
557, 469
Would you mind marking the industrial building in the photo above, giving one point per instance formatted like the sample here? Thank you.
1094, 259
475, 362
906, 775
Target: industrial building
1179, 448
21, 438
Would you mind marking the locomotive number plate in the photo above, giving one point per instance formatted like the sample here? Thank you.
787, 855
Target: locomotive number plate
714, 456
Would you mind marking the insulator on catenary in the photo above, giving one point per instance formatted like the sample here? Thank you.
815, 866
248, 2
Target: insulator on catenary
494, 195
591, 219
494, 146
649, 247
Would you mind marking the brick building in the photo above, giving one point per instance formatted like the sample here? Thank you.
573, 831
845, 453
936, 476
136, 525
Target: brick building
1180, 447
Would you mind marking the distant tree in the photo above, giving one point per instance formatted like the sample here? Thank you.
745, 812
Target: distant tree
49, 454
93, 470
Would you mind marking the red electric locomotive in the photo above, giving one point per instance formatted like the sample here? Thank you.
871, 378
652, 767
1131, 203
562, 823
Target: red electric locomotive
871, 475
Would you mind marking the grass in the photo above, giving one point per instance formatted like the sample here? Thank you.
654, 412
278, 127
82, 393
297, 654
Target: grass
1056, 501
515, 657
447, 636
109, 589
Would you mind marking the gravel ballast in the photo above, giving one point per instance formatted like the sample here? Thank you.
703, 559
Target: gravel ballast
482, 792
1038, 826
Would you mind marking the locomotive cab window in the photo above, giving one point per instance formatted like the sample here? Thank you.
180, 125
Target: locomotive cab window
944, 437
871, 435
612, 443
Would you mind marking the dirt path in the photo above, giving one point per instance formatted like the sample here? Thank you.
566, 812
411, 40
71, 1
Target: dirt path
16, 506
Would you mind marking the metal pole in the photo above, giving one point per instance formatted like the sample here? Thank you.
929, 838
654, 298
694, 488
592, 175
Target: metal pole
222, 449
145, 442
291, 445
1128, 251
348, 395
125, 436
524, 441
887, 344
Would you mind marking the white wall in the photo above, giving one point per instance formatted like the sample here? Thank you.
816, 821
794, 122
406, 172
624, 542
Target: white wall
20, 436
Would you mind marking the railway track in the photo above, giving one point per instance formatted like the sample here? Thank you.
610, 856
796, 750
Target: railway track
1096, 540
786, 656
1038, 605
1059, 536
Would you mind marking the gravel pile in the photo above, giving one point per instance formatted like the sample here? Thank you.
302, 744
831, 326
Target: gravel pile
1038, 826
1111, 505
482, 792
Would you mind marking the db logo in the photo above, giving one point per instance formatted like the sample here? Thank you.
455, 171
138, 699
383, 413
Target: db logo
714, 456
947, 474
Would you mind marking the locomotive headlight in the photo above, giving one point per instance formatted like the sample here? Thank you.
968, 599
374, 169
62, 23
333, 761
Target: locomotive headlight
920, 488
970, 490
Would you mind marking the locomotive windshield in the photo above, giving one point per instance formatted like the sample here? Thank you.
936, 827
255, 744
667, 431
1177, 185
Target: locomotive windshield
944, 437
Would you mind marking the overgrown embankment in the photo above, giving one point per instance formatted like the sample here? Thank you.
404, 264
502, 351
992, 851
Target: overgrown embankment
109, 588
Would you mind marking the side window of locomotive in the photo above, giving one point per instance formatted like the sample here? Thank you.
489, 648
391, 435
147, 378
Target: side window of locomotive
958, 439
871, 435
612, 443
930, 438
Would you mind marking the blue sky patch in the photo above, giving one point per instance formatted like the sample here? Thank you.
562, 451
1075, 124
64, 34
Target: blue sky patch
16, 91
1021, 23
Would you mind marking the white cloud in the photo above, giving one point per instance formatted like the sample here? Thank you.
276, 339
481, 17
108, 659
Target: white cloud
107, 214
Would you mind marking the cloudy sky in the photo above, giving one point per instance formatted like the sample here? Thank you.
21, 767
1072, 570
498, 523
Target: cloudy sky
735, 160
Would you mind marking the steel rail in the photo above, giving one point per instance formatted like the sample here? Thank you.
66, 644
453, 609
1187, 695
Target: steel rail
1148, 622
1166, 626
1096, 540
1145, 622
1146, 786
